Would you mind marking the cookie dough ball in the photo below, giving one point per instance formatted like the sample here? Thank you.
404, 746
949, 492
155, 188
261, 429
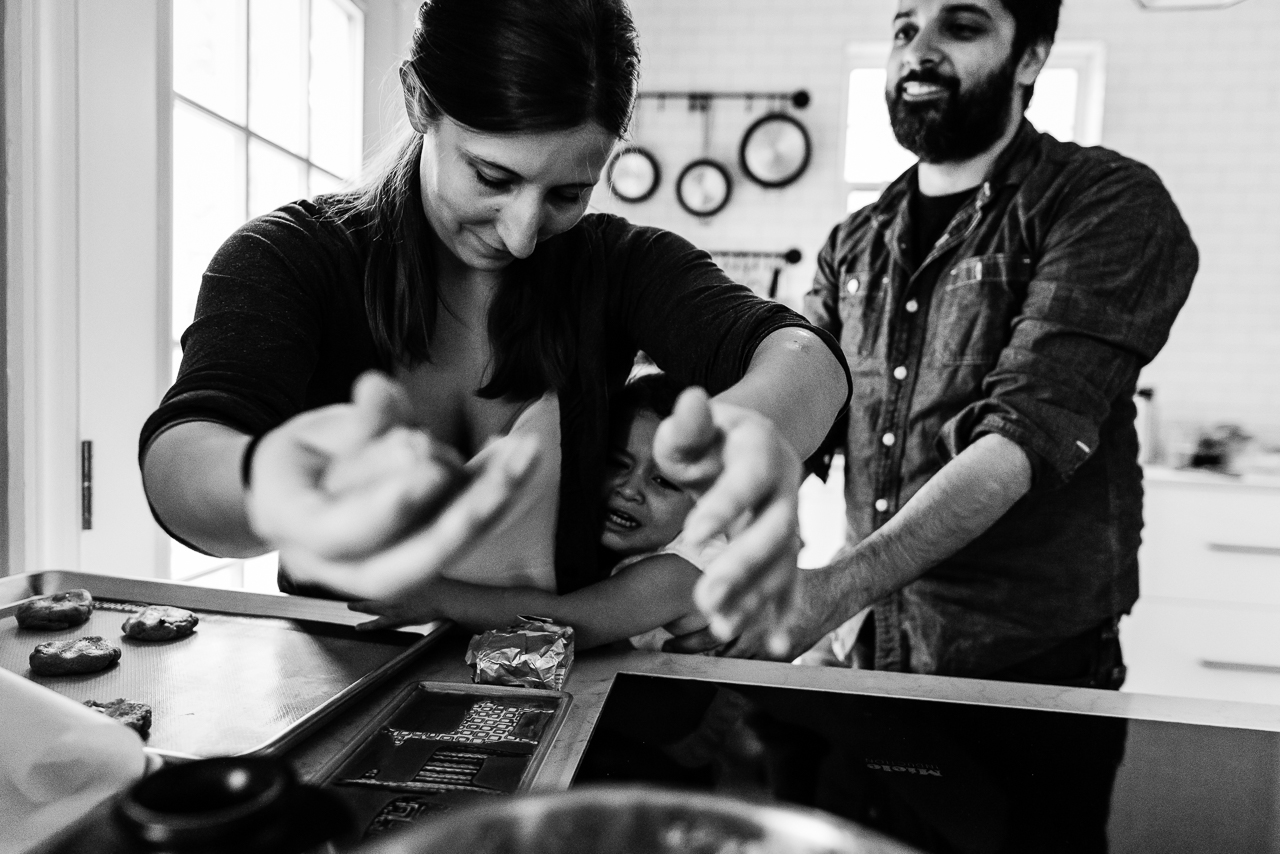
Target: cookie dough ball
60, 611
82, 655
136, 716
160, 623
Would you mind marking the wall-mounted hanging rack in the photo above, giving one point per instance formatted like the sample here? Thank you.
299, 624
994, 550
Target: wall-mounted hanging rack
699, 101
759, 271
790, 256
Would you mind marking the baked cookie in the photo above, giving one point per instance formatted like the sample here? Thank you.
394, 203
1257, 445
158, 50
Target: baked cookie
82, 655
136, 716
160, 623
63, 610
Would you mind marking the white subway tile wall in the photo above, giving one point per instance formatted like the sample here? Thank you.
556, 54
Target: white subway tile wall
1193, 94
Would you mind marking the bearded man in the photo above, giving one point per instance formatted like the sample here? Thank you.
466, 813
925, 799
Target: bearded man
996, 305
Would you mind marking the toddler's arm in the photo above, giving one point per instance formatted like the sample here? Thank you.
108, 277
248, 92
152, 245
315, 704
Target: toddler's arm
652, 592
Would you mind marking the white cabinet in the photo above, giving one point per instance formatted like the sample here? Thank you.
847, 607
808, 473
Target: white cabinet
1207, 623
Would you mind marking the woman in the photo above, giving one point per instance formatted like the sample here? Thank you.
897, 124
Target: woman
468, 273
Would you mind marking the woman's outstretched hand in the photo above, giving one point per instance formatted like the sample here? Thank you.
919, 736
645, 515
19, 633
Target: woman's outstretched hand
362, 502
747, 476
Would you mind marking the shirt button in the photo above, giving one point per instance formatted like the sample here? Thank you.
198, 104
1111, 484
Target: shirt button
900, 373
912, 306
885, 281
853, 286
888, 439
882, 505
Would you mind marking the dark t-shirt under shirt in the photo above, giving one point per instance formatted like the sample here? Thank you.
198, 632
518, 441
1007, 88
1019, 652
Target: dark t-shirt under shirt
930, 216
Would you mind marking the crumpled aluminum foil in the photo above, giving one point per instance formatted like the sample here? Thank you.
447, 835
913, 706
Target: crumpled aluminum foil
534, 653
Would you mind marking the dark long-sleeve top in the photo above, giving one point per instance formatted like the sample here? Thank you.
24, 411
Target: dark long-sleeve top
1030, 319
280, 327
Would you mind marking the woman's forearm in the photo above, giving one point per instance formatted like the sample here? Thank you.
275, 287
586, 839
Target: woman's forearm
191, 474
795, 381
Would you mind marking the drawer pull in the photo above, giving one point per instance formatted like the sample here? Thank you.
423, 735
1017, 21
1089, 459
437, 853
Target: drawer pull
1273, 551
1240, 666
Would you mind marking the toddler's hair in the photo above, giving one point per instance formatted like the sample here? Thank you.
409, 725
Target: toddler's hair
652, 392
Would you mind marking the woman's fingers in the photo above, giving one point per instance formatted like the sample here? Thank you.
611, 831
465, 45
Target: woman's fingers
688, 445
756, 569
379, 403
363, 501
758, 469
417, 558
376, 624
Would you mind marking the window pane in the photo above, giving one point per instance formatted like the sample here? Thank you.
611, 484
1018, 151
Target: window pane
209, 54
208, 200
278, 72
275, 178
1053, 106
335, 98
859, 199
322, 182
872, 155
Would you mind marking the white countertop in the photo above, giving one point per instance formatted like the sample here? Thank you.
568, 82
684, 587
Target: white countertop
1164, 474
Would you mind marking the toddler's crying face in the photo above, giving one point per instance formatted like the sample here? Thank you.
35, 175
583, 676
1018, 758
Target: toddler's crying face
643, 510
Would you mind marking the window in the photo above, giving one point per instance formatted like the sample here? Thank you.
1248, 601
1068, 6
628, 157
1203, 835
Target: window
1067, 104
267, 108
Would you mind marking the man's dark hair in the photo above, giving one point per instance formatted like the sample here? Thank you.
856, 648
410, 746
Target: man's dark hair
1033, 21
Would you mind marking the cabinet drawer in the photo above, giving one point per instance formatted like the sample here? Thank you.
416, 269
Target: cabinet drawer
1211, 543
1191, 649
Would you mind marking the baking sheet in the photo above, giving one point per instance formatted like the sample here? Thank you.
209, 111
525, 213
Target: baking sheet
259, 673
439, 745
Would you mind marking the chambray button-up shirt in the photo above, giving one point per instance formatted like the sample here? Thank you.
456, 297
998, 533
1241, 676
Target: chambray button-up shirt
1030, 318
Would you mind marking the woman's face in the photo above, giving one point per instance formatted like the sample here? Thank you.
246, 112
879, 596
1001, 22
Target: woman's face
491, 197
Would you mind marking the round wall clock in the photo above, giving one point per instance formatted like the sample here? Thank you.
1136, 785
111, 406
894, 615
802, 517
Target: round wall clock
703, 187
634, 174
775, 150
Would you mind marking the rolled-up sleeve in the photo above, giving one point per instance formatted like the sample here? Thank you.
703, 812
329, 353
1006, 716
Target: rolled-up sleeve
1113, 270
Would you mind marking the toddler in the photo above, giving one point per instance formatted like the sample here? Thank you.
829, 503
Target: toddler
649, 596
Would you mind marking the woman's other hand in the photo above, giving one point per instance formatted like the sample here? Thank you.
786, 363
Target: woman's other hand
414, 610
360, 501
747, 476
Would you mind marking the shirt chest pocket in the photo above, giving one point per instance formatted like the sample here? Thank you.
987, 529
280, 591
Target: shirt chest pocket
861, 297
974, 304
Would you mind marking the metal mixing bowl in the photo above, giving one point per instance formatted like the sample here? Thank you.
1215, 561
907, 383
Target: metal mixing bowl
635, 820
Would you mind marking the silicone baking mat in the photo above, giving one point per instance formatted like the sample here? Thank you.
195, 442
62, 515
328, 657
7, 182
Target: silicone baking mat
253, 677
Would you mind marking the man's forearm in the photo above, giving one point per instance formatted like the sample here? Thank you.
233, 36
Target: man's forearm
965, 498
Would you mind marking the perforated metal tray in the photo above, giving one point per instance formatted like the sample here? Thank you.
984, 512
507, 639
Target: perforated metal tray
440, 745
260, 672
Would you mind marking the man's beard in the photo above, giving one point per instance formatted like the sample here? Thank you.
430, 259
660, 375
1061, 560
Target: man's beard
961, 125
